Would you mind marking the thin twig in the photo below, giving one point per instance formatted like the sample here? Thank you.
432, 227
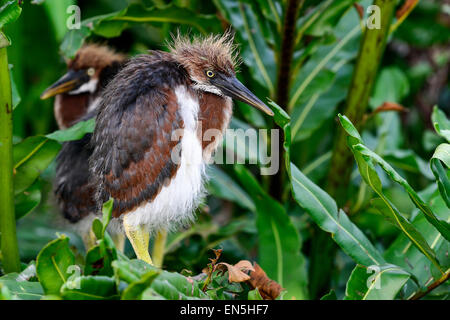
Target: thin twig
420, 294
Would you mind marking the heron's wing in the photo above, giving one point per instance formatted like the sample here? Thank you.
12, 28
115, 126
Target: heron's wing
133, 141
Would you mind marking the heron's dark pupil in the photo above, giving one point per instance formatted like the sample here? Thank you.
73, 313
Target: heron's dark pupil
209, 73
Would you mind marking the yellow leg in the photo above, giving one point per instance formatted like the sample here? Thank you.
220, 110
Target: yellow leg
119, 241
159, 248
139, 238
89, 239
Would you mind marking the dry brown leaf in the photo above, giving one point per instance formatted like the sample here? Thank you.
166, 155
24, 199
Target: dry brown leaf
237, 272
360, 10
390, 106
407, 6
268, 288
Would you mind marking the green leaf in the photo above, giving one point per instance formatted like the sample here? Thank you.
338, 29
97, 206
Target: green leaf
323, 210
27, 201
52, 265
135, 290
167, 285
387, 209
76, 132
441, 123
392, 85
366, 159
442, 153
4, 292
9, 12
90, 288
57, 14
403, 253
112, 24
329, 18
279, 241
256, 53
13, 287
330, 296
31, 157
15, 93
222, 186
73, 40
254, 295
375, 283
174, 286
283, 120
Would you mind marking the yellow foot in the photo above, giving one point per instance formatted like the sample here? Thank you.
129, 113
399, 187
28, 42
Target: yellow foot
159, 248
89, 239
139, 238
119, 241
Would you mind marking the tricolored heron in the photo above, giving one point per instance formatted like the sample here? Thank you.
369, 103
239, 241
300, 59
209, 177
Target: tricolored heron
156, 180
77, 96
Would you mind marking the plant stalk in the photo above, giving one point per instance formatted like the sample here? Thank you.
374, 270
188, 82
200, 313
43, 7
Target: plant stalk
284, 83
364, 75
9, 245
420, 294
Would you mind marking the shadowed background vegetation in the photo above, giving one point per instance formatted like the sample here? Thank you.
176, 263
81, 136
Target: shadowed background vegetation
324, 219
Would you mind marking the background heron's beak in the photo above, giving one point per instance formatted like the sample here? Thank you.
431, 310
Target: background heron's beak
233, 88
68, 82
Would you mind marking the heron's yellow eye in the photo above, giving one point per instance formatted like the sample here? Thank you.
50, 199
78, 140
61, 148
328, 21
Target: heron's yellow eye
90, 72
210, 74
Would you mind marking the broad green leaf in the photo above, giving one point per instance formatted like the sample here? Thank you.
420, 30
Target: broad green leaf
222, 186
76, 132
167, 285
330, 296
15, 92
403, 253
74, 40
387, 209
13, 287
409, 161
283, 120
375, 283
392, 85
90, 288
9, 12
27, 201
135, 290
31, 157
256, 53
366, 159
4, 292
57, 14
323, 210
254, 295
299, 88
112, 24
100, 257
441, 174
54, 264
279, 241
330, 16
174, 286
441, 123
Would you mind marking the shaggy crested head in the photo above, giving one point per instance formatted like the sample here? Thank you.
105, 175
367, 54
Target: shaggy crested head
204, 57
94, 56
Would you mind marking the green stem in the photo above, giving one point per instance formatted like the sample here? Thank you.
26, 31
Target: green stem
9, 246
369, 57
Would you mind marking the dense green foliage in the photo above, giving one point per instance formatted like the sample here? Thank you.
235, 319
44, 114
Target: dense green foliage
361, 206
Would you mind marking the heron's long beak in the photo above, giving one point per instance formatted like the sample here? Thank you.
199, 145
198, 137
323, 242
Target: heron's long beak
233, 88
68, 82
